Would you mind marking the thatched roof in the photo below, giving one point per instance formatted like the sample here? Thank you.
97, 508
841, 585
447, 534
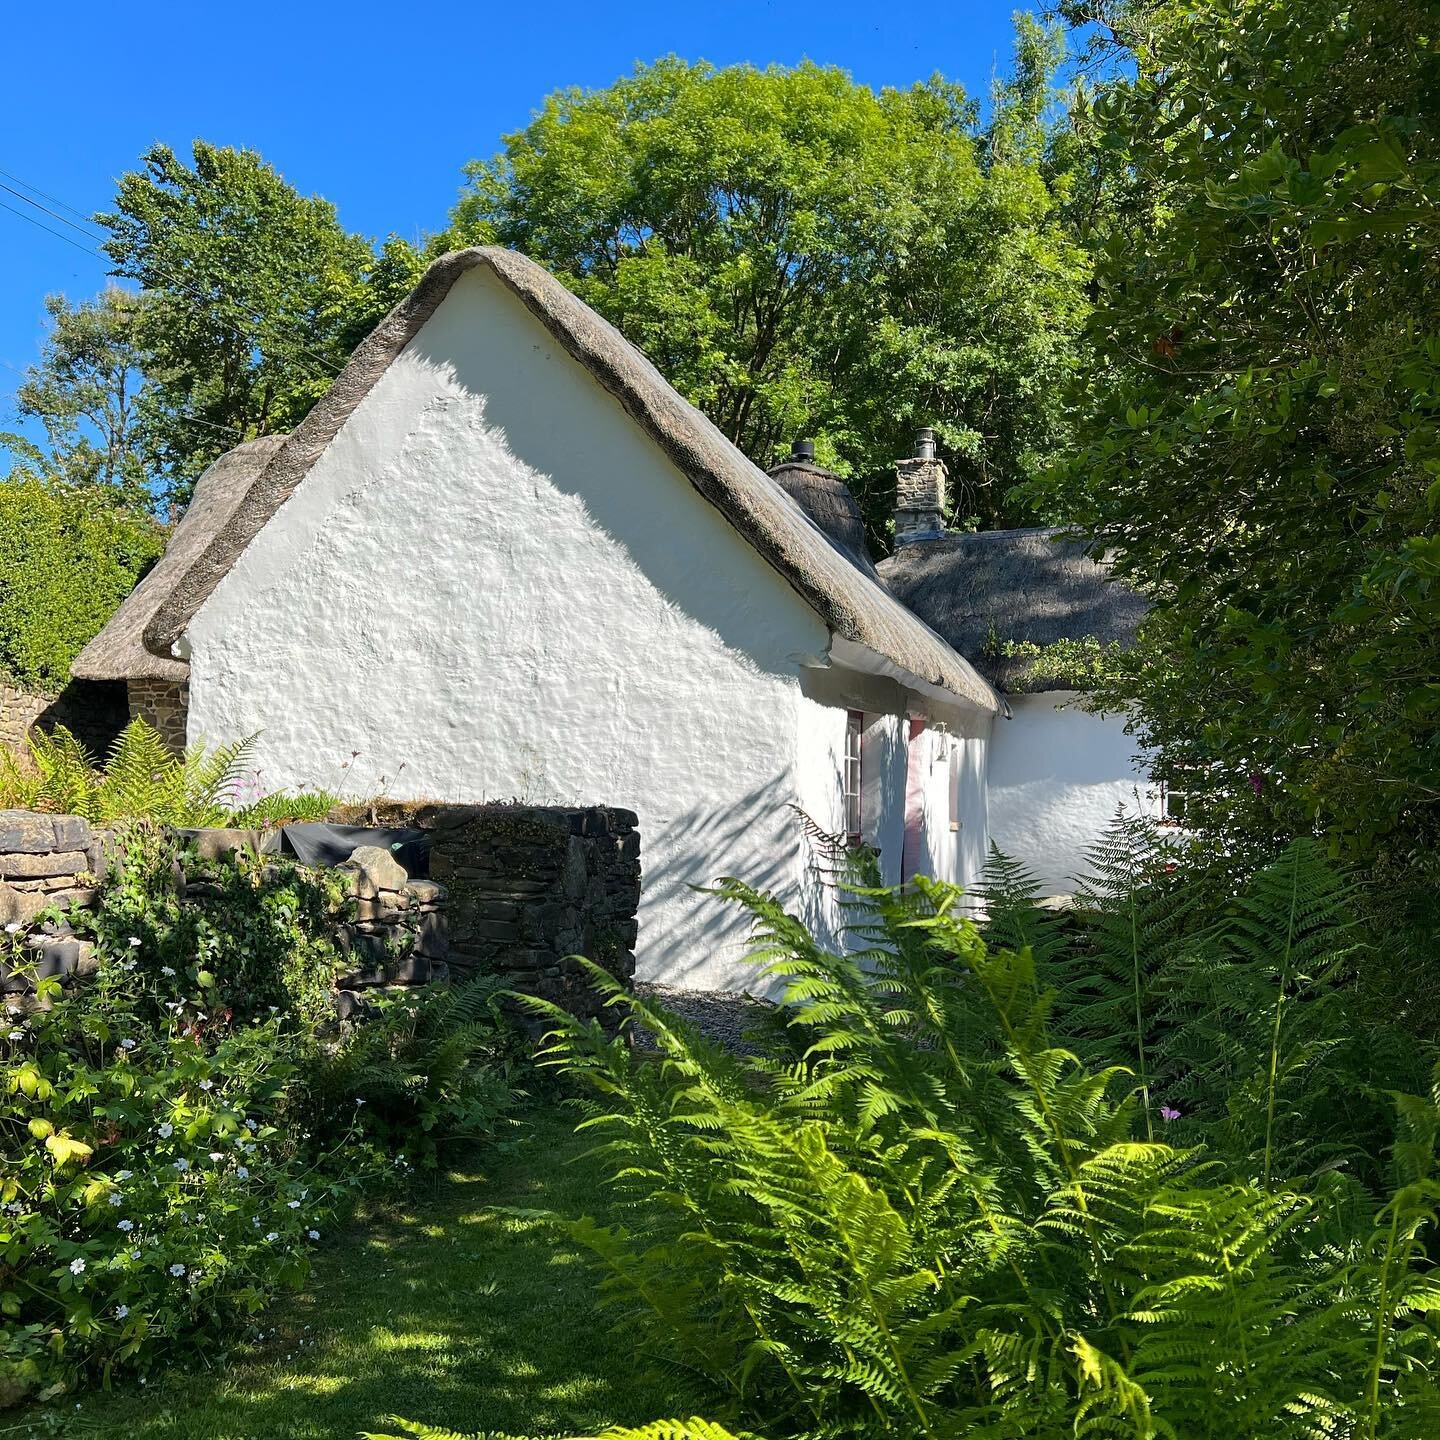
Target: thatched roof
827, 500
1004, 585
118, 652
856, 608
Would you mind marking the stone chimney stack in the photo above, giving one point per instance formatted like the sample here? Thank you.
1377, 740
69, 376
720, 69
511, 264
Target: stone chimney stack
920, 492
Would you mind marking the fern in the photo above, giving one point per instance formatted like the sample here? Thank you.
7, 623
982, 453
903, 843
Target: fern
925, 1214
142, 779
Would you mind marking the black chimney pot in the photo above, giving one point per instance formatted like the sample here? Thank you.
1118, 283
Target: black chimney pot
802, 450
924, 443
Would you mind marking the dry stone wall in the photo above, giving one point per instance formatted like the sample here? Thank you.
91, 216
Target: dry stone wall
94, 711
530, 887
514, 892
46, 860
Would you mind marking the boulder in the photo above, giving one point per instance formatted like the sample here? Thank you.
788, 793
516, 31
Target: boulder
376, 869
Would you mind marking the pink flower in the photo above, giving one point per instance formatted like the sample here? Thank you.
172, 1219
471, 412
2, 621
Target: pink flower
1257, 781
1168, 1112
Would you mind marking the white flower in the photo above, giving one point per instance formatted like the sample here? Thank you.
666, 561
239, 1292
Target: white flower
314, 1234
359, 1100
293, 1204
177, 1270
77, 1267
255, 1221
207, 1084
17, 1034
134, 941
241, 1173
166, 1130
182, 1164
126, 1225
117, 1200
272, 1236
121, 1311
174, 1005
127, 1044
125, 1175
12, 927
216, 1156
167, 969
134, 1254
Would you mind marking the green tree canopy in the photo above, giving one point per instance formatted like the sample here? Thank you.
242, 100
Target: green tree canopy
255, 297
1259, 443
85, 393
802, 256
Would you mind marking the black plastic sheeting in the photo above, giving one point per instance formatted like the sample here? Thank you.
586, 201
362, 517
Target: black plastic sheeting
316, 843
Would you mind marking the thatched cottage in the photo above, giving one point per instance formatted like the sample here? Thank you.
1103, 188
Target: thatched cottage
502, 557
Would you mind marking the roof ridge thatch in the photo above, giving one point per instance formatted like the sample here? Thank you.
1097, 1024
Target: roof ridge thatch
1032, 586
828, 501
854, 606
118, 652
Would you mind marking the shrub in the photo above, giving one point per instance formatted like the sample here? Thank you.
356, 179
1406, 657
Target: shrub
178, 1131
252, 934
154, 1191
68, 557
927, 1215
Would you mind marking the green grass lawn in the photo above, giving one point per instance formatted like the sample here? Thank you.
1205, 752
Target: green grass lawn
442, 1311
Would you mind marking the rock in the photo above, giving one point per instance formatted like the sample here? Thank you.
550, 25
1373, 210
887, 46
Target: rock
348, 1004
213, 842
432, 938
62, 958
426, 892
20, 907
377, 869
32, 866
413, 970
30, 834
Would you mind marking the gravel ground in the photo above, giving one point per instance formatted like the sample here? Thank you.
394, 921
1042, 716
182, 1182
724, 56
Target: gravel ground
719, 1015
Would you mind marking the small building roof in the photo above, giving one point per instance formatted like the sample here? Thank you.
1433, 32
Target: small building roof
118, 652
827, 500
981, 590
857, 608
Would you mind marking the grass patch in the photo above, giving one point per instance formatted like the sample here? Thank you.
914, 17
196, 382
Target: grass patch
441, 1310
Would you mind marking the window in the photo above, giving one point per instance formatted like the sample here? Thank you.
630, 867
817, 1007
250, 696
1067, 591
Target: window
850, 775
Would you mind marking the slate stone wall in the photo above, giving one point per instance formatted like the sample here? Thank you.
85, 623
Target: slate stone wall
46, 860
514, 891
165, 706
94, 711
531, 886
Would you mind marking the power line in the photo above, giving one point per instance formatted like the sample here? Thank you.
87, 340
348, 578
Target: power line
45, 195
189, 286
33, 221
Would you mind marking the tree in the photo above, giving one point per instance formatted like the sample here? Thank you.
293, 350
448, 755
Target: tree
85, 393
255, 297
1259, 442
801, 256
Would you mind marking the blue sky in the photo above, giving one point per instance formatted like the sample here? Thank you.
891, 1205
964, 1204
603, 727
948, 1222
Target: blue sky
374, 107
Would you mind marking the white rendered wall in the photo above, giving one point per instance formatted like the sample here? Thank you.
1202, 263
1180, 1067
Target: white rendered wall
1057, 776
887, 755
493, 585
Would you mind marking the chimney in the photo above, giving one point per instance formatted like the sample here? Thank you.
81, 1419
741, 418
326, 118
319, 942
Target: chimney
803, 452
920, 492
